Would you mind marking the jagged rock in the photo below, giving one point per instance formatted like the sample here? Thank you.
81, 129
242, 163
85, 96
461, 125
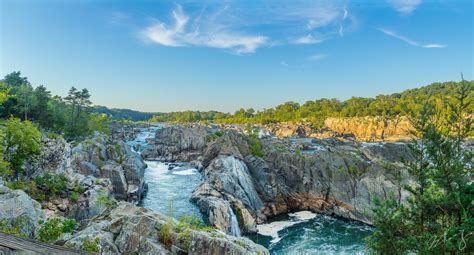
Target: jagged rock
130, 229
17, 208
176, 144
103, 158
390, 152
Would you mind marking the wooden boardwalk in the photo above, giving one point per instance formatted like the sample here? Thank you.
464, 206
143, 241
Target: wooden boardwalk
10, 244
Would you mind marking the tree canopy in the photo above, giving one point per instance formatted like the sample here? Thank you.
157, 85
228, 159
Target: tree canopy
316, 111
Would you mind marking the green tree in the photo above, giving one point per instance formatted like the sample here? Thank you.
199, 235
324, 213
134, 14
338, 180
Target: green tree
40, 104
14, 79
20, 140
24, 96
439, 215
79, 103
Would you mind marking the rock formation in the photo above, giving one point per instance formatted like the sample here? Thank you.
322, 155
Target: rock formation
360, 128
128, 229
337, 177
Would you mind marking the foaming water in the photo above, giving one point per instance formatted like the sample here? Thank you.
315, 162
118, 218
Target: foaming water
169, 191
170, 188
315, 234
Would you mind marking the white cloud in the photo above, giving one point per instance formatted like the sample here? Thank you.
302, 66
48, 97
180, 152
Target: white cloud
180, 35
283, 63
226, 25
308, 39
410, 41
405, 6
317, 57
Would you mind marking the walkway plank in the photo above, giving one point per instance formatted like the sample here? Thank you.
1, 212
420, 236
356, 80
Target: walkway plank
10, 244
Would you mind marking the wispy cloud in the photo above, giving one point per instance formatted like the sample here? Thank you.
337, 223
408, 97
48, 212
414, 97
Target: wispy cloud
317, 57
410, 41
405, 6
283, 63
180, 34
309, 39
226, 25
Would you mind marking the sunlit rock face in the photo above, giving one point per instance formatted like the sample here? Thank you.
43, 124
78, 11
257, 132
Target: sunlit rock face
360, 128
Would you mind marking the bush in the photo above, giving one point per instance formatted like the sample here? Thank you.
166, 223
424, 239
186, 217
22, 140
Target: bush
255, 146
91, 246
13, 227
20, 141
166, 232
104, 199
52, 184
53, 228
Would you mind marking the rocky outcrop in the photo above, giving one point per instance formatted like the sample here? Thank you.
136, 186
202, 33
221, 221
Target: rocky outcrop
337, 177
112, 159
18, 210
359, 128
176, 143
128, 229
371, 128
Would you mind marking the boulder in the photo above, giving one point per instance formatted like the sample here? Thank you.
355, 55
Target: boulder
128, 229
19, 210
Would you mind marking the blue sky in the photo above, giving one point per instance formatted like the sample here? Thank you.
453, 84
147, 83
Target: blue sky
223, 55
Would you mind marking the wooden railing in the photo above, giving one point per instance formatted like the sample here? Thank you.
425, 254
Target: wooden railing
10, 244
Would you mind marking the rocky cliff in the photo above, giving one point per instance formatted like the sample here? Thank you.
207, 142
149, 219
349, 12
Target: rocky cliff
360, 128
332, 176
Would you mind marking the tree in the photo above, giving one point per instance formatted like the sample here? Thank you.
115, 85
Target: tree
14, 79
24, 96
20, 140
3, 93
40, 104
439, 215
79, 103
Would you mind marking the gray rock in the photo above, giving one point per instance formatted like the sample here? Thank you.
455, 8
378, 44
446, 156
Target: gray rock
17, 208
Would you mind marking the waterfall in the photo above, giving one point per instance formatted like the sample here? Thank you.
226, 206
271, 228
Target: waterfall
234, 224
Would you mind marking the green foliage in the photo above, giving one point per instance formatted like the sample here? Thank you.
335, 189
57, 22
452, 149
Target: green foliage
298, 152
166, 234
77, 190
53, 228
91, 246
255, 147
70, 115
438, 218
52, 184
13, 226
99, 122
317, 111
104, 199
20, 141
123, 114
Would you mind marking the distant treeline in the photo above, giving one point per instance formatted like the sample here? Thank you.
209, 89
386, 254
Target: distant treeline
397, 104
124, 114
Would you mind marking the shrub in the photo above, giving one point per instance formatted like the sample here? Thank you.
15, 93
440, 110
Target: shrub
91, 246
52, 184
298, 152
166, 232
104, 199
255, 146
53, 228
13, 227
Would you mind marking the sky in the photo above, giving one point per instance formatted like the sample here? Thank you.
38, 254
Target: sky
163, 56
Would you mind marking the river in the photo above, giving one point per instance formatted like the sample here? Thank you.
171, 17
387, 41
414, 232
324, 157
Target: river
170, 187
